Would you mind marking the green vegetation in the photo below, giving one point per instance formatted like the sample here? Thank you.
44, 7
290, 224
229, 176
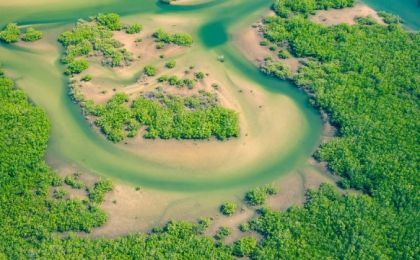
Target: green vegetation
29, 216
165, 116
258, 196
282, 54
244, 227
98, 191
228, 208
245, 246
276, 69
264, 43
76, 67
355, 75
59, 193
150, 70
366, 78
336, 226
194, 117
390, 18
87, 78
222, 233
73, 181
286, 7
10, 34
182, 39
134, 28
31, 35
114, 117
199, 75
170, 64
32, 221
111, 21
92, 38
179, 83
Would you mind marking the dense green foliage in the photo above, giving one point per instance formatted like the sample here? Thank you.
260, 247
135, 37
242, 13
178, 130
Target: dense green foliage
31, 35
94, 38
228, 208
98, 191
366, 77
170, 64
30, 217
150, 70
259, 195
222, 233
276, 69
177, 240
182, 39
199, 75
336, 227
134, 28
286, 7
245, 246
76, 67
165, 116
114, 117
179, 83
73, 181
10, 34
111, 21
194, 117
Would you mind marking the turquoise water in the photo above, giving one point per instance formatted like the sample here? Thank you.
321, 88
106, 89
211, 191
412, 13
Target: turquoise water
408, 10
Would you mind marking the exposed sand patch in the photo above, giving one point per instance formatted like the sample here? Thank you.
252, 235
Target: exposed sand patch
345, 15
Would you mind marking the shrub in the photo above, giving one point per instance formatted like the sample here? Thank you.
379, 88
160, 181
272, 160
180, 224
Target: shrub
134, 28
222, 233
97, 193
228, 208
76, 67
163, 78
87, 77
60, 193
264, 43
283, 54
10, 34
110, 20
199, 75
31, 35
150, 70
244, 246
182, 39
245, 227
256, 196
170, 64
73, 182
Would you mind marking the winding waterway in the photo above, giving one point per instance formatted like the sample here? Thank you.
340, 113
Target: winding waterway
74, 142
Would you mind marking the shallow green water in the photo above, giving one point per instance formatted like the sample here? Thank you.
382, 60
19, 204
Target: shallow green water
74, 142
